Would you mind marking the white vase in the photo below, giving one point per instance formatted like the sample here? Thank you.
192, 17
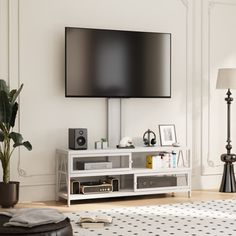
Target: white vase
98, 145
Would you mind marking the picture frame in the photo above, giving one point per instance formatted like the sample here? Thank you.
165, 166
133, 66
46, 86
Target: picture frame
167, 135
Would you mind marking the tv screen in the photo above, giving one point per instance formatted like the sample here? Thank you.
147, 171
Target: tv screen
114, 63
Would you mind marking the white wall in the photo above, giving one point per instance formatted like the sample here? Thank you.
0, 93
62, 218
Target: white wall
214, 47
32, 52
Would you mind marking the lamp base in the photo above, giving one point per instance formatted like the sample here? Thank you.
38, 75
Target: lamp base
228, 183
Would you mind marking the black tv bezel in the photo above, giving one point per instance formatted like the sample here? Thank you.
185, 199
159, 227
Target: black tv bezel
91, 96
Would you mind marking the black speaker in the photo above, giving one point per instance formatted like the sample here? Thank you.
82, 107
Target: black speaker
74, 186
114, 182
78, 139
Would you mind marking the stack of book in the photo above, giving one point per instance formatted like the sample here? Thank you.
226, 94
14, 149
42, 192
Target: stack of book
94, 221
163, 160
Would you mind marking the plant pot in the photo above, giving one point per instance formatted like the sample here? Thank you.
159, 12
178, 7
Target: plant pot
9, 194
104, 144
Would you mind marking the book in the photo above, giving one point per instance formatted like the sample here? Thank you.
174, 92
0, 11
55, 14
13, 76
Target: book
149, 162
153, 162
94, 221
173, 161
163, 160
92, 225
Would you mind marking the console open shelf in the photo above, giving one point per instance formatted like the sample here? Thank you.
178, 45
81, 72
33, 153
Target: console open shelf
127, 166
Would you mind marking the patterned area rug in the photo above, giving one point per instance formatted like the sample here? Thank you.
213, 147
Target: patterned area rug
201, 218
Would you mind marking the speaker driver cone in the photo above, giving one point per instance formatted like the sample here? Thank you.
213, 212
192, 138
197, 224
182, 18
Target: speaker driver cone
81, 141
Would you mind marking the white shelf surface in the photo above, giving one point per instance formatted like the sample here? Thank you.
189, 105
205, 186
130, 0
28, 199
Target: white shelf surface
125, 193
125, 171
122, 150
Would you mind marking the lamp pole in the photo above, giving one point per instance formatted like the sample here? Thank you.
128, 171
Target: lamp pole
228, 99
228, 183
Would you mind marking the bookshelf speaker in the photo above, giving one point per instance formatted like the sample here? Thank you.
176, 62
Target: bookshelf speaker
78, 139
74, 187
115, 183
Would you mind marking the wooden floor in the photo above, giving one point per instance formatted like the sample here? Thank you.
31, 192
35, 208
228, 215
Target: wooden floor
131, 201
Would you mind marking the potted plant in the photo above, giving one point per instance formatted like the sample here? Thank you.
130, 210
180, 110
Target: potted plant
9, 140
104, 143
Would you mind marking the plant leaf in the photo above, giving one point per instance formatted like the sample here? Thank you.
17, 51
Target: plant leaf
17, 144
16, 137
16, 94
3, 128
3, 86
1, 156
5, 108
1, 136
26, 144
13, 114
11, 94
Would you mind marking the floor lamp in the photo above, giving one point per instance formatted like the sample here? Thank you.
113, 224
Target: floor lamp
227, 80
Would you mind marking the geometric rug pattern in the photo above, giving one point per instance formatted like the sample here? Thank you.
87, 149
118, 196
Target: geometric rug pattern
205, 218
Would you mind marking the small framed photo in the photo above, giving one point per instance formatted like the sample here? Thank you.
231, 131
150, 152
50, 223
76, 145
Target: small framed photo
167, 135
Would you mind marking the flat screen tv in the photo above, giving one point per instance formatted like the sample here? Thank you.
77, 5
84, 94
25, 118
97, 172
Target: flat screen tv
115, 63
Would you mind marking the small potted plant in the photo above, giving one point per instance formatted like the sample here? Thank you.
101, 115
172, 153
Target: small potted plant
104, 143
9, 141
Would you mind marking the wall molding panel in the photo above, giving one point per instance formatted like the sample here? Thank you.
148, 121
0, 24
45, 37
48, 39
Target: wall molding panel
186, 3
210, 160
4, 40
4, 45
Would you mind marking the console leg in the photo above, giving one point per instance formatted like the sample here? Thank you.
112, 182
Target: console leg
189, 194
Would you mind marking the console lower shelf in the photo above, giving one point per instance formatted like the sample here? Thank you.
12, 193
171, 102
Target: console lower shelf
121, 193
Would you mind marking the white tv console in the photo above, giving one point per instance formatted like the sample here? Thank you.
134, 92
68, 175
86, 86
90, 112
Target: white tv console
128, 165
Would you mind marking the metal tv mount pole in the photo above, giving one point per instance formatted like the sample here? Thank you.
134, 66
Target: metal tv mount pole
114, 121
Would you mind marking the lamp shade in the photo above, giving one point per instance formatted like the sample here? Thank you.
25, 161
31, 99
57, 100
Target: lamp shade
226, 78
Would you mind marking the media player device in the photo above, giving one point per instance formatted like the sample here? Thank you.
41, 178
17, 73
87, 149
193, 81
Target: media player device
95, 165
78, 138
110, 184
95, 187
